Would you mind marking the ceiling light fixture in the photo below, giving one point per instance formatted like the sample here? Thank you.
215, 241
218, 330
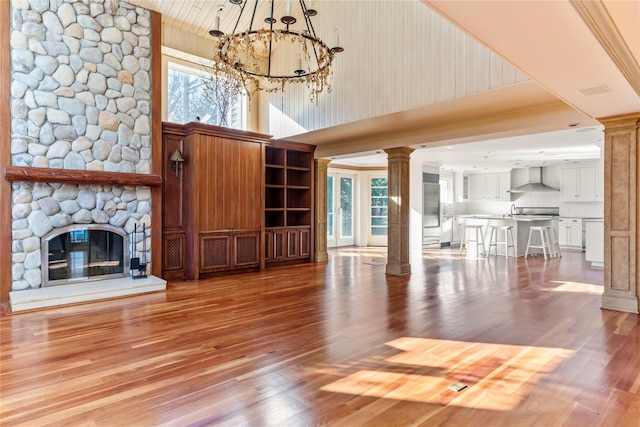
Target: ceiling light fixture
248, 56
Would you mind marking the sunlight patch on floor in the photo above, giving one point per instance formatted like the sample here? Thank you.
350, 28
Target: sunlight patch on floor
577, 287
496, 374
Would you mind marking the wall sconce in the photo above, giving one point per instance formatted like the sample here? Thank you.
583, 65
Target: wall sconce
176, 158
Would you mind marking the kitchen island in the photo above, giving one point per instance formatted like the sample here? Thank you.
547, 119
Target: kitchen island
520, 223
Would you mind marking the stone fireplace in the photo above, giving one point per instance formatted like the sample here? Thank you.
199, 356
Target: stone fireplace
80, 101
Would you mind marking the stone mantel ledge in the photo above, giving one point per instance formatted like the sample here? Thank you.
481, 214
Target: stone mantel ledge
35, 174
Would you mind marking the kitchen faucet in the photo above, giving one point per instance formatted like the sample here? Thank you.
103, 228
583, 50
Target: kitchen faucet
513, 208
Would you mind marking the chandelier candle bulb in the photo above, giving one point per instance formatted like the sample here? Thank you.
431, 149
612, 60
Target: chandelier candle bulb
216, 23
288, 7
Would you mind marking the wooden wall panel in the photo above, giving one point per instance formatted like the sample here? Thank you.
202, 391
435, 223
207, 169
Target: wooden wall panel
173, 195
5, 156
156, 143
621, 158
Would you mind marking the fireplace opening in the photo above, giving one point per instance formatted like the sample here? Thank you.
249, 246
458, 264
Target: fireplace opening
84, 252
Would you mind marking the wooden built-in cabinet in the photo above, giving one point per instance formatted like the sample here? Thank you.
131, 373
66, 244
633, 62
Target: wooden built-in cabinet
213, 217
288, 195
240, 200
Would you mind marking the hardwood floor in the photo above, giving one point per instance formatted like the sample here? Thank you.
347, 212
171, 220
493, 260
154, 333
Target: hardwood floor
337, 344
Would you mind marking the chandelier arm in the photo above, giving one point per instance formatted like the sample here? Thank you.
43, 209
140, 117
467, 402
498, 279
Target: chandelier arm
253, 15
307, 19
310, 28
270, 38
235, 28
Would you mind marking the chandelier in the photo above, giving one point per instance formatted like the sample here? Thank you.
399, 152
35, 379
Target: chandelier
264, 53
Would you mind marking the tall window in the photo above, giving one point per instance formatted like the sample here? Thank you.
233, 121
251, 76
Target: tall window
379, 206
189, 100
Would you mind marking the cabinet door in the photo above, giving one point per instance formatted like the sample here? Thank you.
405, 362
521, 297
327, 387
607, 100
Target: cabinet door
292, 243
246, 249
276, 248
575, 234
215, 251
458, 226
477, 187
304, 242
491, 187
246, 186
446, 230
587, 186
569, 191
563, 233
504, 185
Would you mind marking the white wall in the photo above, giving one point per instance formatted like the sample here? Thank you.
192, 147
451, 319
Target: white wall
373, 76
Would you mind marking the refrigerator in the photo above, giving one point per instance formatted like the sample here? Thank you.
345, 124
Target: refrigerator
430, 210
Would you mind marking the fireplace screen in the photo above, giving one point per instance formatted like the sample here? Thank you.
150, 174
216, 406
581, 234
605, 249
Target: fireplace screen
84, 253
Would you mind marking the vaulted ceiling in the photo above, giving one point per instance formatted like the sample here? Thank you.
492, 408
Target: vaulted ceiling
582, 58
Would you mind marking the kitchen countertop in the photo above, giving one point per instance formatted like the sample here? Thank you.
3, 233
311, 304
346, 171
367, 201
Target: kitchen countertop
527, 218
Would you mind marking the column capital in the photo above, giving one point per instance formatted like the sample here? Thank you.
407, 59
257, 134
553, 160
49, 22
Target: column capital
322, 162
620, 121
399, 152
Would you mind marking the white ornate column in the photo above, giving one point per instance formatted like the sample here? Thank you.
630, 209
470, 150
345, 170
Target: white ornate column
399, 211
621, 222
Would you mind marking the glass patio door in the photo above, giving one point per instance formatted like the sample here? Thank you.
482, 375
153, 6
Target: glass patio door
340, 210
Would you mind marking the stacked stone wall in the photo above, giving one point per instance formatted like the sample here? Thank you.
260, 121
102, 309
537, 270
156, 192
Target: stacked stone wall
80, 99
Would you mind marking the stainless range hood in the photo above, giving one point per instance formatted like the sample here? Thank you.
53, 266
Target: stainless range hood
535, 184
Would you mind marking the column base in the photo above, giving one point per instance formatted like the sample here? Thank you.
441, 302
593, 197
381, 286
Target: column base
398, 269
628, 304
321, 256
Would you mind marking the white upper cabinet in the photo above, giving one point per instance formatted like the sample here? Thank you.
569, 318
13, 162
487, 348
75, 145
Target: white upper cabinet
581, 184
490, 187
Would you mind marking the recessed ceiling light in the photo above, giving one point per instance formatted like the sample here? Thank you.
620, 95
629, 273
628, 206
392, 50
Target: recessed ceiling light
540, 152
423, 145
572, 125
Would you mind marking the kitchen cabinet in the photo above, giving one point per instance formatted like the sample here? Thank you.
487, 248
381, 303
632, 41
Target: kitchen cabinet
594, 242
570, 233
493, 186
581, 184
446, 229
456, 230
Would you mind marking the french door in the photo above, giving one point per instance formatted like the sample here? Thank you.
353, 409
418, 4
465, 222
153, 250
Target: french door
340, 210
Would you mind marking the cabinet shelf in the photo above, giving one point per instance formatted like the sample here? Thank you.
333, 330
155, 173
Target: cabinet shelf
288, 202
275, 156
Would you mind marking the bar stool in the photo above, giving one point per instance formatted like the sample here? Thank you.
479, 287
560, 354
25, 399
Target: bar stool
544, 241
553, 242
479, 238
493, 239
